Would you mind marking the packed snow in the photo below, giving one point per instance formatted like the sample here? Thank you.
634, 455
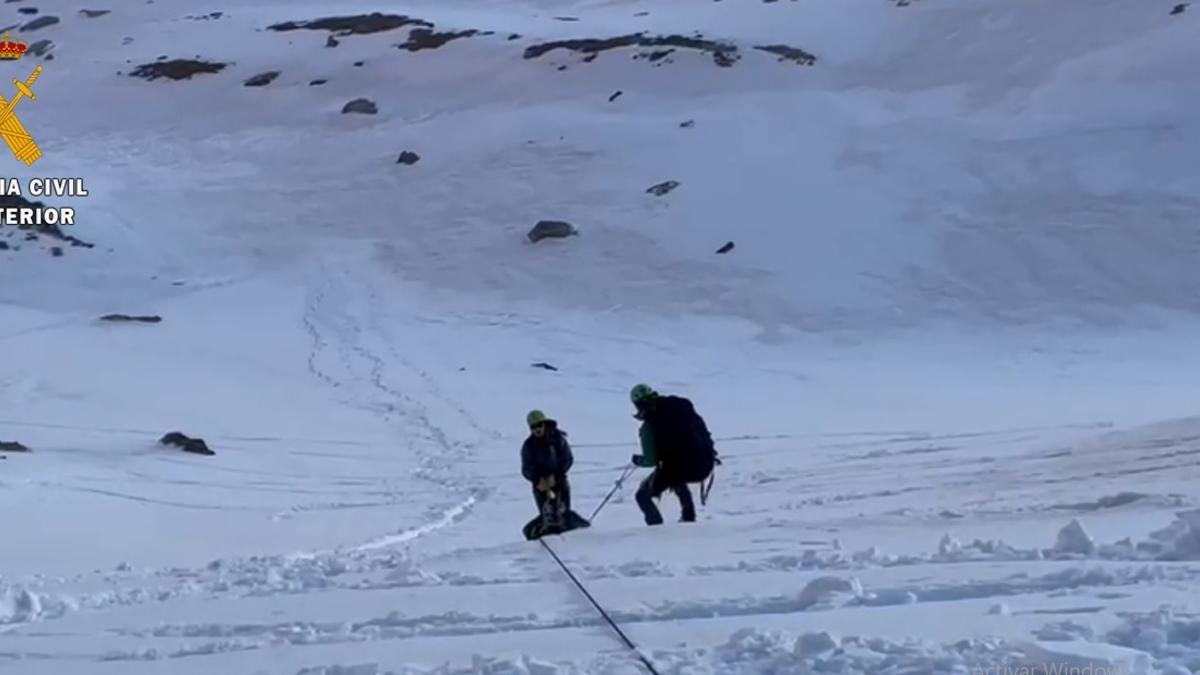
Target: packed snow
947, 348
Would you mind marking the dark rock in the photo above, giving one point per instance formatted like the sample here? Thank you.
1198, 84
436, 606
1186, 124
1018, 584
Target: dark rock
41, 48
1180, 8
40, 22
544, 366
359, 64
360, 24
726, 248
662, 188
425, 38
514, 36
317, 83
126, 317
3, 245
688, 124
193, 445
659, 54
551, 229
93, 13
331, 41
56, 251
262, 79
562, 68
566, 18
177, 69
724, 55
408, 158
12, 446
614, 96
361, 106
786, 53
27, 10
52, 231
642, 14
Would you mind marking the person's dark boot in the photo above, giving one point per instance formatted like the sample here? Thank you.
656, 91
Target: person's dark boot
646, 503
687, 507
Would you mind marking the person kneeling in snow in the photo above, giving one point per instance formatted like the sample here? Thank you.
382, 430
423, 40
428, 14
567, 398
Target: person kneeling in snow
546, 458
675, 443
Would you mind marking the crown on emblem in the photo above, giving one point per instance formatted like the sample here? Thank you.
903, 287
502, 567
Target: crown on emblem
12, 49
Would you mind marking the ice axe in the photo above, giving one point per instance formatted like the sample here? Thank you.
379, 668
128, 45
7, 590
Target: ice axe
617, 486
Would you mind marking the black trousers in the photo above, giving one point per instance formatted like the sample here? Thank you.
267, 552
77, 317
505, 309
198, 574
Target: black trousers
562, 488
653, 487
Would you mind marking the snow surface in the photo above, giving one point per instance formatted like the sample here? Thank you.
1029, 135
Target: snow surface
950, 362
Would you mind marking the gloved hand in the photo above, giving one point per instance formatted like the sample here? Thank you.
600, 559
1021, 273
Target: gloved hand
638, 460
551, 482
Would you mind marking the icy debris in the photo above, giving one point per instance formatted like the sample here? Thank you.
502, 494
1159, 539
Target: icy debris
815, 644
364, 669
523, 666
1064, 631
830, 591
1178, 541
949, 545
1074, 539
1089, 657
889, 597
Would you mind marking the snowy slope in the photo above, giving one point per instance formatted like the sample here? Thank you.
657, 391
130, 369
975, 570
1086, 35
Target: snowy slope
960, 314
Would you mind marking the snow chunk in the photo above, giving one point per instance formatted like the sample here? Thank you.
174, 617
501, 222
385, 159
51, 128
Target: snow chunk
949, 545
811, 644
829, 591
1178, 541
1074, 539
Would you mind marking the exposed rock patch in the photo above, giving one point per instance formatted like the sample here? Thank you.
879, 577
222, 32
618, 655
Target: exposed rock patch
205, 17
544, 366
12, 446
426, 38
40, 22
129, 318
723, 54
262, 79
361, 106
1180, 8
32, 231
177, 69
726, 248
360, 24
196, 446
93, 13
662, 188
41, 48
786, 53
551, 229
408, 158
317, 83
27, 10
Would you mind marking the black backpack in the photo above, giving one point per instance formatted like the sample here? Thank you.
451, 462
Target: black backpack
682, 440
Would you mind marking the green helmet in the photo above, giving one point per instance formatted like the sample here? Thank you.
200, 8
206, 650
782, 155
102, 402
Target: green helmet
642, 393
536, 417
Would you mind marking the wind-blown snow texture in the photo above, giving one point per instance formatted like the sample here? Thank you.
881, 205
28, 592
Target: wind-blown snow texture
950, 360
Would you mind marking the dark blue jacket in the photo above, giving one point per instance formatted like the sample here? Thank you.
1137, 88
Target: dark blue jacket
549, 455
